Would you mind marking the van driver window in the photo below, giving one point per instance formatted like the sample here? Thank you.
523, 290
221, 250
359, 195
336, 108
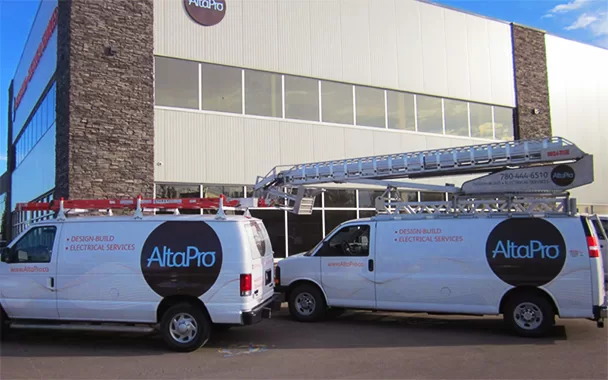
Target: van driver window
35, 247
349, 241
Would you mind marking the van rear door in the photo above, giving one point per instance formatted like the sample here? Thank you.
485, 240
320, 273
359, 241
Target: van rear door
596, 263
262, 257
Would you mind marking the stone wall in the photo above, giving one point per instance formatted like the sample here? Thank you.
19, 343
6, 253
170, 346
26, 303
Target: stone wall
105, 99
532, 117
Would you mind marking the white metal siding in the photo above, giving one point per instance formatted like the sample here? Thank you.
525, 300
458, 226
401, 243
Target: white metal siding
401, 44
199, 147
578, 95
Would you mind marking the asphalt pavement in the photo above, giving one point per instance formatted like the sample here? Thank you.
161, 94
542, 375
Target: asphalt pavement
358, 345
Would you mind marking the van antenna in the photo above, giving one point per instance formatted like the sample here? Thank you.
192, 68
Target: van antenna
61, 213
247, 214
221, 215
138, 211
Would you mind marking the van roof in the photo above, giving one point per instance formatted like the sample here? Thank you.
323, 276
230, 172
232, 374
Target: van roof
150, 218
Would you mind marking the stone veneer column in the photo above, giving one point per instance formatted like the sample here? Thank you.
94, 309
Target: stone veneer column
532, 117
105, 101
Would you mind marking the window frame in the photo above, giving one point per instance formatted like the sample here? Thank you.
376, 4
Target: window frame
321, 248
11, 255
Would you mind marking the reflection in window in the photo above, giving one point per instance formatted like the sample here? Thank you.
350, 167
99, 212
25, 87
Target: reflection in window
36, 246
176, 192
175, 83
370, 106
333, 218
503, 123
456, 118
305, 231
274, 221
481, 120
263, 94
367, 198
301, 98
431, 196
337, 102
401, 111
222, 88
339, 198
430, 117
366, 214
348, 241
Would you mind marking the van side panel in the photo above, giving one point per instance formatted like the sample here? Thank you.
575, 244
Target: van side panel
572, 290
436, 266
99, 274
466, 265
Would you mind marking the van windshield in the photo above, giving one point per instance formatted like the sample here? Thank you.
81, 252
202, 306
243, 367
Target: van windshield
313, 249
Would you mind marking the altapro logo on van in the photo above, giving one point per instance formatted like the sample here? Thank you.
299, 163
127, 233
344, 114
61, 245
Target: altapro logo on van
181, 258
526, 251
562, 175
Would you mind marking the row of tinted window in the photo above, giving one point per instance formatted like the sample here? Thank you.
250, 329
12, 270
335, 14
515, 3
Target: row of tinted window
39, 123
260, 93
303, 231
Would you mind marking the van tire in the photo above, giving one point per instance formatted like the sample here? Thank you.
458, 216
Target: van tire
307, 297
4, 324
192, 315
533, 306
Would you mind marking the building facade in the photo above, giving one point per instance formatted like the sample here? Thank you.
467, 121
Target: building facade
181, 98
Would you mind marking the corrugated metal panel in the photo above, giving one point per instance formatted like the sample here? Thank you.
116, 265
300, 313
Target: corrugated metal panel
387, 142
177, 35
383, 43
578, 85
262, 147
294, 24
297, 143
457, 57
358, 142
409, 46
434, 54
326, 39
479, 59
328, 143
260, 34
356, 61
501, 64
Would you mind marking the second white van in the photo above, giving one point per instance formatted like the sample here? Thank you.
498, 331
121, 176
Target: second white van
529, 269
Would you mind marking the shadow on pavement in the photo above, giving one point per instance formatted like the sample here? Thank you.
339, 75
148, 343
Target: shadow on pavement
352, 330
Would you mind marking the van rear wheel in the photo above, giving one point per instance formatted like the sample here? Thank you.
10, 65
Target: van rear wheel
185, 328
529, 315
307, 304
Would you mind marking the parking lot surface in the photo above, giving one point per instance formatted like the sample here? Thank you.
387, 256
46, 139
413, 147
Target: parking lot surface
358, 345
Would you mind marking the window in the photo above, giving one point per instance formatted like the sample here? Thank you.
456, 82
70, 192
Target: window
35, 247
333, 218
456, 118
430, 116
176, 192
339, 198
263, 94
274, 221
304, 231
337, 101
348, 241
222, 88
175, 83
432, 197
301, 98
503, 123
401, 113
481, 121
370, 106
367, 198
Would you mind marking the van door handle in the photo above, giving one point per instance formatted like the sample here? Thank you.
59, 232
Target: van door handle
51, 283
370, 265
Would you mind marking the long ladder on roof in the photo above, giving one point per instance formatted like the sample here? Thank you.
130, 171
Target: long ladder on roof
524, 175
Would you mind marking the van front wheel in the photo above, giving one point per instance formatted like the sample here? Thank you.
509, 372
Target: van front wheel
307, 304
529, 315
185, 328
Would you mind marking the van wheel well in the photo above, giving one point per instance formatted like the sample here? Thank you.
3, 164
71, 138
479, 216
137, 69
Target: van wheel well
526, 290
302, 282
167, 302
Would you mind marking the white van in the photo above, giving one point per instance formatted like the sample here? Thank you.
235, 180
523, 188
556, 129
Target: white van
529, 269
183, 275
600, 222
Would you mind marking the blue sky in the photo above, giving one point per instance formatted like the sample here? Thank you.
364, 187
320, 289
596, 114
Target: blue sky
580, 20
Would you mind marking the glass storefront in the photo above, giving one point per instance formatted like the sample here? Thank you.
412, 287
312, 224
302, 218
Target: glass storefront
289, 233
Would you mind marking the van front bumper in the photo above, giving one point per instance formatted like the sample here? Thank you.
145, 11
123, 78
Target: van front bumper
262, 311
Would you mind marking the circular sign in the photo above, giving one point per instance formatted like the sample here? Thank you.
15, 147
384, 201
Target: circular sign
562, 175
206, 12
182, 258
526, 251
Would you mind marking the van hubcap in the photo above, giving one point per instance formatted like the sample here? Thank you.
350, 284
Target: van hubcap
528, 316
183, 328
305, 303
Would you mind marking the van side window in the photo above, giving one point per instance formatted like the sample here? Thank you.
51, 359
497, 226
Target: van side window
348, 241
36, 246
